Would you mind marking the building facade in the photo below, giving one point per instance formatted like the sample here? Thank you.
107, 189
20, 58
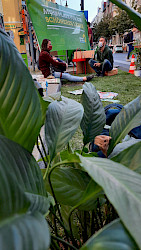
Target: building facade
111, 10
13, 22
16, 22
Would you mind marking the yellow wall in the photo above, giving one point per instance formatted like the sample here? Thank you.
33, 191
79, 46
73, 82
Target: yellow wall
1, 9
12, 20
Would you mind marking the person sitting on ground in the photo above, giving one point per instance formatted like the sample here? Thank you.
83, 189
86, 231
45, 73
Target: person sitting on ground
46, 60
104, 58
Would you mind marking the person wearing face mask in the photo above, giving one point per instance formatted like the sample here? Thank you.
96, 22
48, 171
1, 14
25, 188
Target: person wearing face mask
46, 61
104, 58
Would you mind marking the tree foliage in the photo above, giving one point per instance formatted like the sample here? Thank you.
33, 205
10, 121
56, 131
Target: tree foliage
101, 29
108, 26
120, 23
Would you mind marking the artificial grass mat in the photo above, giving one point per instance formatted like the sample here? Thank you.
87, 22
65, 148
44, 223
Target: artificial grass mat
126, 85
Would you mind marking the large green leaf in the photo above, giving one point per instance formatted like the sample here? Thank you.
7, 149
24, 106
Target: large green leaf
62, 120
114, 236
19, 228
128, 118
12, 198
20, 109
69, 184
45, 101
130, 157
52, 97
20, 163
73, 187
134, 15
66, 156
94, 117
89, 199
24, 232
122, 186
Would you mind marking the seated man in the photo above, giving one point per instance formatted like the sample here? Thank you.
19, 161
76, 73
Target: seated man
104, 58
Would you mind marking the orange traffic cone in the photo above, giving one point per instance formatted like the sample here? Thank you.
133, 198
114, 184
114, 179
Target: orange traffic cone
132, 65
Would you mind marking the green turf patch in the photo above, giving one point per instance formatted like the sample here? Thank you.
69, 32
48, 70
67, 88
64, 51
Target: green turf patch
126, 85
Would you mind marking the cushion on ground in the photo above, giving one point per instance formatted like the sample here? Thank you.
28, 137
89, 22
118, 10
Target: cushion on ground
113, 72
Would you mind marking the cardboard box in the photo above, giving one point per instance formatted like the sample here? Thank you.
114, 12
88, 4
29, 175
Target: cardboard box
88, 54
50, 81
84, 54
113, 72
80, 65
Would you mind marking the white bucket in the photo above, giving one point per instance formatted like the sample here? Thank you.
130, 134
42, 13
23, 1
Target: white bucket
137, 73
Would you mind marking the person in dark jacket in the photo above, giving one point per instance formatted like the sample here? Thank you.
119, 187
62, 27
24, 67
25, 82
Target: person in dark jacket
46, 60
130, 44
104, 58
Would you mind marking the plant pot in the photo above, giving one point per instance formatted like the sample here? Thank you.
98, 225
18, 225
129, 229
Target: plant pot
137, 72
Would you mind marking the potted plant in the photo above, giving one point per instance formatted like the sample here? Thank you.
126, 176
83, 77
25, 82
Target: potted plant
137, 53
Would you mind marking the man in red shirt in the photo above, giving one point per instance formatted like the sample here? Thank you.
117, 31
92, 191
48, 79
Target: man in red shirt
90, 35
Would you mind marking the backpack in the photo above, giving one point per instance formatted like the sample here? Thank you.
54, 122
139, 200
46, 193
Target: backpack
127, 38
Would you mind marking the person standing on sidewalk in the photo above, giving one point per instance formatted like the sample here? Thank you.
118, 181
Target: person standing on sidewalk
46, 60
104, 58
130, 43
90, 35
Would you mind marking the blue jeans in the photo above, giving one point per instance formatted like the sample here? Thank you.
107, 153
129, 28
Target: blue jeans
67, 76
101, 70
131, 47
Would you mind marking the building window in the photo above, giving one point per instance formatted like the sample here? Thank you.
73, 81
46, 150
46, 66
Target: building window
21, 40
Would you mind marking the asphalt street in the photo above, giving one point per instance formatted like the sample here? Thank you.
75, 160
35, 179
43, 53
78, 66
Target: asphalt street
120, 61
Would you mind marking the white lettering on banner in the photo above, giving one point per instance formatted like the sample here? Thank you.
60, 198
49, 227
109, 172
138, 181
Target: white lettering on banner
60, 13
66, 27
82, 40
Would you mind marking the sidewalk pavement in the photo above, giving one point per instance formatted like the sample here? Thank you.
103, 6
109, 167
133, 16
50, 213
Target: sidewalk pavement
51, 89
122, 62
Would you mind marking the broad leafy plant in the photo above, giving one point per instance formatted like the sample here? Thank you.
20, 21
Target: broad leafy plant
24, 200
128, 118
79, 192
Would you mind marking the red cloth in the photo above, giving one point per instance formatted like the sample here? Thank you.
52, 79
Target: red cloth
90, 32
45, 59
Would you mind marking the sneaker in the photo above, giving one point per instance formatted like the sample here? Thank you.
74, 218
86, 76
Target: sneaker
89, 77
96, 75
99, 75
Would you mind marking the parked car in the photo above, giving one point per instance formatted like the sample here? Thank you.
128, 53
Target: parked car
111, 47
118, 48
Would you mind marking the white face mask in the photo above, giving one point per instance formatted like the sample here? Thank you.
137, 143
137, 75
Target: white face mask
100, 44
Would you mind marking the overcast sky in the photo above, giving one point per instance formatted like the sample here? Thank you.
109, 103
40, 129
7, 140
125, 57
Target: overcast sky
90, 5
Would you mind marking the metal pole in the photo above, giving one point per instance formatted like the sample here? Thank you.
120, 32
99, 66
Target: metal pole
31, 46
82, 4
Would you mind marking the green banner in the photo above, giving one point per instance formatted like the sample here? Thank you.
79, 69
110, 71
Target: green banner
66, 28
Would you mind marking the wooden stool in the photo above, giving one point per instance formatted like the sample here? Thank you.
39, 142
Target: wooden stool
79, 60
113, 72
